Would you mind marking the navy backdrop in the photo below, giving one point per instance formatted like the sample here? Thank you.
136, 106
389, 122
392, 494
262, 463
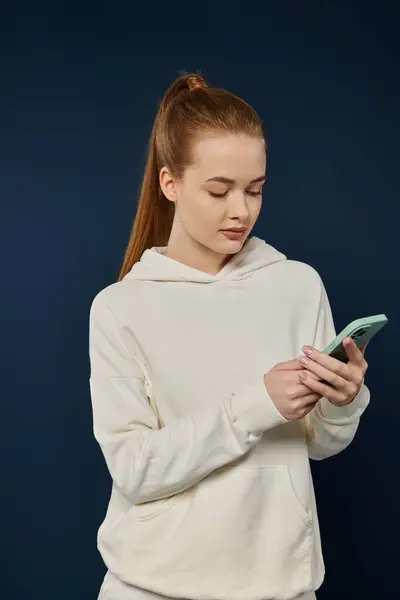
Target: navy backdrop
80, 87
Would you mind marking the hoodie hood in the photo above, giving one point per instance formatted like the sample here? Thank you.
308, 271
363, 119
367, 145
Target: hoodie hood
255, 254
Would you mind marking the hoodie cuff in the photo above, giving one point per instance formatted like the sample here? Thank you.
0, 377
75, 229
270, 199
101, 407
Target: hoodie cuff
349, 412
254, 410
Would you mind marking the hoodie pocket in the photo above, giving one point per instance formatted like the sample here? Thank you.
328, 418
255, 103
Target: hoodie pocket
154, 508
289, 492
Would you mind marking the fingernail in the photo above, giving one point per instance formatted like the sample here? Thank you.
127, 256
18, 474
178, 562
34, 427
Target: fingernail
307, 349
303, 359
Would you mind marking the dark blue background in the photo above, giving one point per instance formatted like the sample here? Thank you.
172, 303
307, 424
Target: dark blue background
80, 86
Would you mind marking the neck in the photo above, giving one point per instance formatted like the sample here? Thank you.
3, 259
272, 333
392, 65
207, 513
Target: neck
193, 254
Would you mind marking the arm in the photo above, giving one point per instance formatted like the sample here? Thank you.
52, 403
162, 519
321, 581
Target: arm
146, 462
334, 426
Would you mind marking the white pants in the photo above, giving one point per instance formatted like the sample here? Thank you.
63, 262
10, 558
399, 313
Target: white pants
114, 589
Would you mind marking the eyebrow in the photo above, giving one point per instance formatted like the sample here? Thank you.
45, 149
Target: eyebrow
226, 180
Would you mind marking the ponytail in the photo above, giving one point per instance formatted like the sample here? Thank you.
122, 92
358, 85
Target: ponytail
153, 221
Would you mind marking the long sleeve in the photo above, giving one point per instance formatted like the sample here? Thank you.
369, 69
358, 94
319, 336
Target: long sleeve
145, 461
334, 426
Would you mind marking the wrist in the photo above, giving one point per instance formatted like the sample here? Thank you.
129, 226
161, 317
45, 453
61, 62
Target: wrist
356, 394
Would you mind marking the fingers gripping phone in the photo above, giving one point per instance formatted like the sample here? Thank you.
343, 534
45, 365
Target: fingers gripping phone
361, 331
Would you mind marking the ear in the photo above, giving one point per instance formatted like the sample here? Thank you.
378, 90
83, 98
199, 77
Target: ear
168, 184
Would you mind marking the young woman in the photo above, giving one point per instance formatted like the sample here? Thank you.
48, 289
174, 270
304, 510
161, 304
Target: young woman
203, 410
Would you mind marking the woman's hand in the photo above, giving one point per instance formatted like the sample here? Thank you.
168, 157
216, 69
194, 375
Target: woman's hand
341, 382
291, 397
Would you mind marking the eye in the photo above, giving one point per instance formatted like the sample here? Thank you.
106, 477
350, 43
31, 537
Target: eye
214, 195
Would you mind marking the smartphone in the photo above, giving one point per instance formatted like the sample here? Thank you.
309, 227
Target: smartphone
360, 330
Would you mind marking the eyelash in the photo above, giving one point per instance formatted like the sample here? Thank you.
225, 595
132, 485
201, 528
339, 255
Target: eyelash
254, 194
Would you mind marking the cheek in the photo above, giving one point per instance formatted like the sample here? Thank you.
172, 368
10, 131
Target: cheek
258, 204
197, 210
204, 208
257, 209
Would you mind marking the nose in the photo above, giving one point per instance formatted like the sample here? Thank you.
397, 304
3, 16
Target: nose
238, 208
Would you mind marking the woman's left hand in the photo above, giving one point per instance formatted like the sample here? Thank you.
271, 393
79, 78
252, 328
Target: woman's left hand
341, 382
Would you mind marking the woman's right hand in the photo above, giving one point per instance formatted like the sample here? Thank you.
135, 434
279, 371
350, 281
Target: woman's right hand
293, 399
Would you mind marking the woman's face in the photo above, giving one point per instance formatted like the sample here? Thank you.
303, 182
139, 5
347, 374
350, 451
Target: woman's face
217, 192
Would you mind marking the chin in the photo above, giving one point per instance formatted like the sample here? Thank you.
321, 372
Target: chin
224, 245
233, 246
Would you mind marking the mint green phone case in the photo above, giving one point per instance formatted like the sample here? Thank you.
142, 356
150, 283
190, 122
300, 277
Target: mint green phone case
360, 330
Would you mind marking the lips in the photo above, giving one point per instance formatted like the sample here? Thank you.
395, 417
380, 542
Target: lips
234, 234
236, 230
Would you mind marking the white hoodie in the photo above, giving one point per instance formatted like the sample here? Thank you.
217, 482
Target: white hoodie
212, 494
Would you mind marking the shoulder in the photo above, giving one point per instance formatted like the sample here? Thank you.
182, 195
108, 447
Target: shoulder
110, 298
298, 287
299, 276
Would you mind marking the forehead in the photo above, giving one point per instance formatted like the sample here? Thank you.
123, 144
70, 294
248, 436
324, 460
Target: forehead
237, 157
